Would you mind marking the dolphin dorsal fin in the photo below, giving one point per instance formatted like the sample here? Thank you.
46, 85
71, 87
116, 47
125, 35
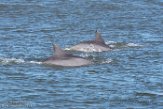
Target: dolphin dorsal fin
58, 52
99, 38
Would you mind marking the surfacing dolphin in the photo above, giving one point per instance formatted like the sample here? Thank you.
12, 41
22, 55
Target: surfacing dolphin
62, 58
97, 45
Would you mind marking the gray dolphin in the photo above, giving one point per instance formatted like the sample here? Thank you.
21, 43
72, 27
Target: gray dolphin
97, 45
62, 58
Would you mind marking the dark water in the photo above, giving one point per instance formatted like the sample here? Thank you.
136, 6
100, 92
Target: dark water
130, 76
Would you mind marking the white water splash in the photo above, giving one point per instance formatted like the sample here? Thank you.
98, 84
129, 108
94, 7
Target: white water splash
35, 62
11, 60
112, 46
110, 42
133, 45
18, 61
84, 55
67, 49
107, 61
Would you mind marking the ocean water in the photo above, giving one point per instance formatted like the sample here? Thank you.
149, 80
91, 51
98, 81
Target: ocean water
128, 77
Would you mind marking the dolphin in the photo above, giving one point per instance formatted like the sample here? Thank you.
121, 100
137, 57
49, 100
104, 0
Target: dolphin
62, 58
96, 45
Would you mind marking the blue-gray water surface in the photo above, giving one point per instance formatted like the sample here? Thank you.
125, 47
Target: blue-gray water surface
130, 76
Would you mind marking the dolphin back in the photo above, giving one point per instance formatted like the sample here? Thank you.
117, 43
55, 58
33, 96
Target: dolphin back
69, 62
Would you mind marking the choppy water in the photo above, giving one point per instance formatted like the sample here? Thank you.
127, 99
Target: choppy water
130, 76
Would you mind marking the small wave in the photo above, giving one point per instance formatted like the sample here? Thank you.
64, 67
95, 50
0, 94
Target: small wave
133, 45
149, 93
